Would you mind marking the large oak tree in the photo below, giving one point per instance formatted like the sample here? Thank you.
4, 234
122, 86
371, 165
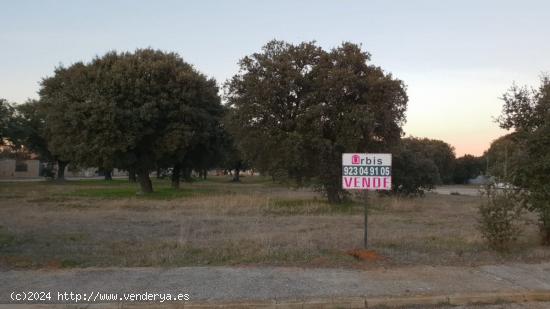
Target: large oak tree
296, 108
134, 111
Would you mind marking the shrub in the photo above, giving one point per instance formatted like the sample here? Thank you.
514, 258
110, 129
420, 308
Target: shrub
500, 215
413, 173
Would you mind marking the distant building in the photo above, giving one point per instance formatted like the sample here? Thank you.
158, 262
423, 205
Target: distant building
479, 180
13, 168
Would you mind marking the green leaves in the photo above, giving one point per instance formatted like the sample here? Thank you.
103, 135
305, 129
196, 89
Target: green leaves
526, 151
6, 115
295, 108
129, 110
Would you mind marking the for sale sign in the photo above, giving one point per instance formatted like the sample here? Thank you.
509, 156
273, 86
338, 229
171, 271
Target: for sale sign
366, 171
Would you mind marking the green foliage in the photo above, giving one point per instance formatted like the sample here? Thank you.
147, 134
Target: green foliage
468, 167
506, 157
232, 158
528, 112
6, 114
7, 239
163, 193
439, 152
294, 109
290, 207
134, 111
419, 164
500, 215
412, 171
28, 130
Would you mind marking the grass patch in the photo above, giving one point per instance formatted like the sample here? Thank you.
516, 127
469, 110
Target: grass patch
69, 263
173, 254
218, 222
73, 237
100, 182
7, 239
244, 179
48, 199
128, 192
308, 207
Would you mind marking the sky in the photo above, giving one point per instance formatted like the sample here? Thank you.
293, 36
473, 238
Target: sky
456, 57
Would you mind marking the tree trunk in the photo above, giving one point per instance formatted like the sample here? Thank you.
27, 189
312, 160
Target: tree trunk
204, 173
108, 174
176, 171
545, 226
333, 196
546, 237
132, 175
159, 173
61, 165
144, 181
237, 175
187, 174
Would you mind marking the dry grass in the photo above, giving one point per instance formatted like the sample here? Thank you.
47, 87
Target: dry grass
221, 223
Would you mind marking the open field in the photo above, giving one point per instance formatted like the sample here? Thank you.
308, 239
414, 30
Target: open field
216, 222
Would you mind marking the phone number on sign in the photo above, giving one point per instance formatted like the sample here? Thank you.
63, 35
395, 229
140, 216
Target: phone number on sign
366, 171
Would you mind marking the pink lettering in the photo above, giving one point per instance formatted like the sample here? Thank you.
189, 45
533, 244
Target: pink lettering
347, 182
366, 182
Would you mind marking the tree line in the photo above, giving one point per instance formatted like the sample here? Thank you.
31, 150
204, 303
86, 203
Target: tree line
290, 112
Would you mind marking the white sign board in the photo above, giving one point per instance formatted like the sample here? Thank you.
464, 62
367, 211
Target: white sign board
366, 171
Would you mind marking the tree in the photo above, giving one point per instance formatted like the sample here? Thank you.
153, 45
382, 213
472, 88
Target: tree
233, 159
500, 216
28, 130
527, 111
133, 111
6, 114
441, 153
296, 108
27, 133
468, 167
204, 150
413, 172
505, 157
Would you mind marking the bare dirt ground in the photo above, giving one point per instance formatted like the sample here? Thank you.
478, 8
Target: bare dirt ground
215, 222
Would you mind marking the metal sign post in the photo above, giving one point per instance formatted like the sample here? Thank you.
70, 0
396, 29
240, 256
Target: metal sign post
366, 171
366, 220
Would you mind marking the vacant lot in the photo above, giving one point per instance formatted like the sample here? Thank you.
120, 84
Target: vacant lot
216, 222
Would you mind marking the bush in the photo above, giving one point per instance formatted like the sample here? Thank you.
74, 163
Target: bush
500, 216
413, 173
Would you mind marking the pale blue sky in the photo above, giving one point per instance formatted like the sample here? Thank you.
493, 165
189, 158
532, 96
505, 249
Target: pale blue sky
457, 57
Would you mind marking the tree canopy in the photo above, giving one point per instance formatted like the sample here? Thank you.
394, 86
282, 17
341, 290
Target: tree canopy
505, 156
413, 173
296, 108
6, 114
527, 111
468, 167
133, 111
441, 153
28, 130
